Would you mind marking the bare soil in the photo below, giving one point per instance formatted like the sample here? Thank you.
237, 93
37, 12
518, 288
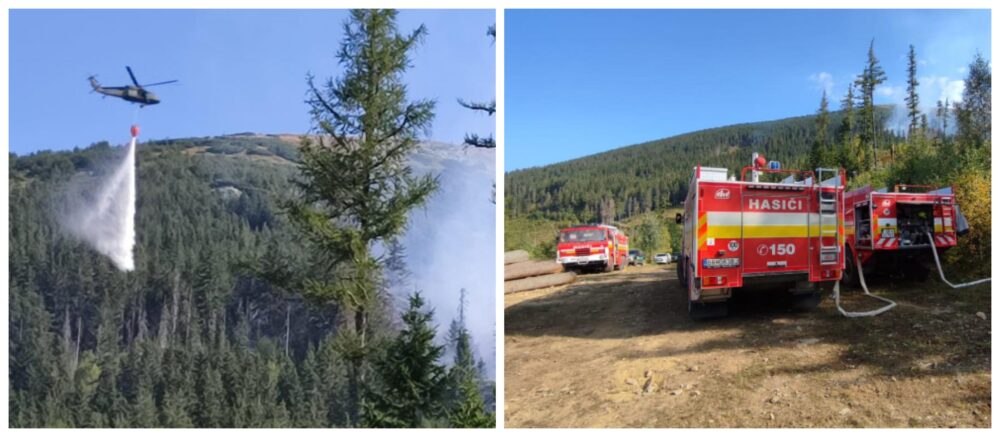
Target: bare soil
619, 350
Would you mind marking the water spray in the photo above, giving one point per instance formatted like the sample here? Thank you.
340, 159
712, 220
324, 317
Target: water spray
108, 223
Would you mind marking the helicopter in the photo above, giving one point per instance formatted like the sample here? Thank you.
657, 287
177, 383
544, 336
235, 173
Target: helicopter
135, 94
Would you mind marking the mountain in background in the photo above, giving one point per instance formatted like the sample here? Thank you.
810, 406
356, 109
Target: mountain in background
654, 175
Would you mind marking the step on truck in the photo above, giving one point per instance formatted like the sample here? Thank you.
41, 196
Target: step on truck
592, 247
888, 230
785, 235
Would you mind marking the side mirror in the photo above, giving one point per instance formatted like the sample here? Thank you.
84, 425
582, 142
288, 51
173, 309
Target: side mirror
679, 219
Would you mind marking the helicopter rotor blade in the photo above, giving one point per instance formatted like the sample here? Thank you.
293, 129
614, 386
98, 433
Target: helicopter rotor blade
132, 76
158, 83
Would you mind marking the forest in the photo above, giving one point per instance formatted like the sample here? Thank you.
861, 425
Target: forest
654, 175
184, 339
948, 145
238, 313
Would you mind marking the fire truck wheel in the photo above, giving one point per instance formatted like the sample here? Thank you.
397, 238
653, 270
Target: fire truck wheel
850, 275
805, 302
703, 311
916, 271
682, 272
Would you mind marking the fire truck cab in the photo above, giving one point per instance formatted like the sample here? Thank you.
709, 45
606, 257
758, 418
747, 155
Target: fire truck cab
884, 228
594, 246
786, 234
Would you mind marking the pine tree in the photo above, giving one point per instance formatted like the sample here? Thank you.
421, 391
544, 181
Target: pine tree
818, 154
143, 411
974, 112
912, 98
357, 188
314, 414
210, 395
412, 381
469, 409
872, 77
847, 123
489, 108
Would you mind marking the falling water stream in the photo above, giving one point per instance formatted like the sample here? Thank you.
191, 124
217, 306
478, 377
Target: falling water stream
108, 222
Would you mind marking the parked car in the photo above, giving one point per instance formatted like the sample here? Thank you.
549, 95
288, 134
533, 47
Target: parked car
636, 258
674, 257
662, 258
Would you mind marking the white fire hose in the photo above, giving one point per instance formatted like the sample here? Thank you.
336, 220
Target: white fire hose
891, 304
941, 271
875, 312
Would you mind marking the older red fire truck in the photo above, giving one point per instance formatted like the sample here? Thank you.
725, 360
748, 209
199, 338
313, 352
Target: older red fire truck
594, 246
743, 232
893, 230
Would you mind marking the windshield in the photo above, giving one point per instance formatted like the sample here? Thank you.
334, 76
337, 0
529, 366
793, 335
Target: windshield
661, 254
581, 236
633, 252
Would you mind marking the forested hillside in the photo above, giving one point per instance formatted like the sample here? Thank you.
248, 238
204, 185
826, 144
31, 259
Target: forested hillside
191, 337
654, 175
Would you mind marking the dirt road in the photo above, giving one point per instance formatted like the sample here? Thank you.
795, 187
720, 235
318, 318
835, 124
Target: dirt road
618, 350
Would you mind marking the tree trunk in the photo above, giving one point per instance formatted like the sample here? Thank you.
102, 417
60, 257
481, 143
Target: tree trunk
288, 313
142, 327
164, 327
67, 331
175, 297
538, 282
515, 256
529, 269
79, 337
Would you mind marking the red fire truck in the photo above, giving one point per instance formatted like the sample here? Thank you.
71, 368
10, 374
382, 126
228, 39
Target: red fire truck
744, 232
595, 246
883, 228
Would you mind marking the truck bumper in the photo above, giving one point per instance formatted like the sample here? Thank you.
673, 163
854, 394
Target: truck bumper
584, 260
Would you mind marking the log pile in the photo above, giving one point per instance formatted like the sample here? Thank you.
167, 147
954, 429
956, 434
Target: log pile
522, 274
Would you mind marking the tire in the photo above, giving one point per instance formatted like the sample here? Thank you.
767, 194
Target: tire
850, 277
806, 302
682, 274
705, 311
916, 271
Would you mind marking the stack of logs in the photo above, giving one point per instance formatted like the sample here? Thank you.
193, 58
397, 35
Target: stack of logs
522, 274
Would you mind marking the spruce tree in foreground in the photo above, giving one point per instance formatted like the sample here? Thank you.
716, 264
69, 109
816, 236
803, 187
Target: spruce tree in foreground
356, 187
412, 380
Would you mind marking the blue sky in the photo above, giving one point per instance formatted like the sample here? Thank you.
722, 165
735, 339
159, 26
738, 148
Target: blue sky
582, 82
238, 70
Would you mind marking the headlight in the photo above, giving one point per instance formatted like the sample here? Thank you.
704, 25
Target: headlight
720, 262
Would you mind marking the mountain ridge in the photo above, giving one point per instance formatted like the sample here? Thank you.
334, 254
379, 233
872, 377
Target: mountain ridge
653, 175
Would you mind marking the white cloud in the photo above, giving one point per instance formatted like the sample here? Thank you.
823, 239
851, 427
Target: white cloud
938, 88
891, 92
824, 81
